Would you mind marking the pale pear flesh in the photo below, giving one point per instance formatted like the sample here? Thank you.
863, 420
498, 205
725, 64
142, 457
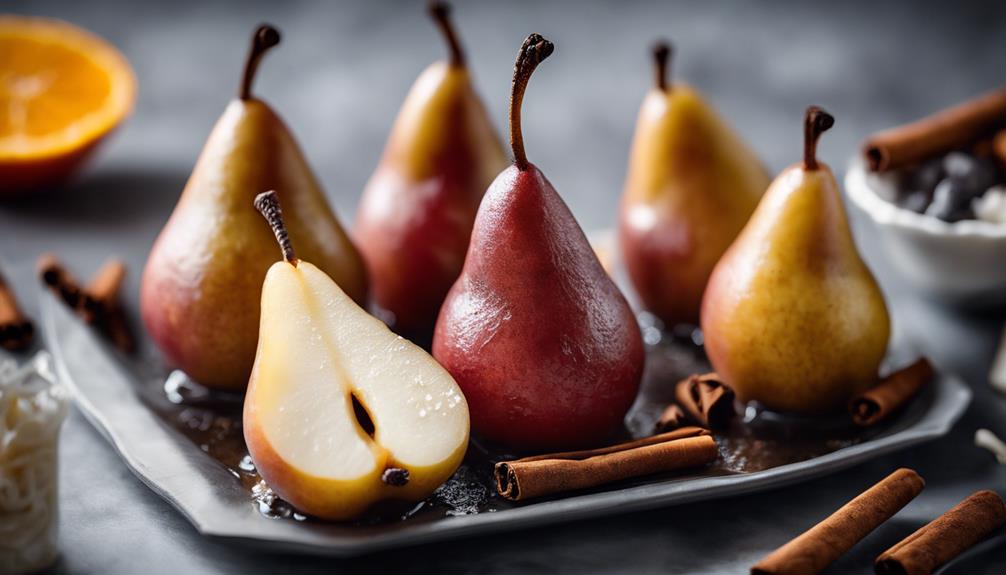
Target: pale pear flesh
317, 350
792, 316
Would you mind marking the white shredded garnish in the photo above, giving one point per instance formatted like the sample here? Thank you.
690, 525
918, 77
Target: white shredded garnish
988, 440
32, 409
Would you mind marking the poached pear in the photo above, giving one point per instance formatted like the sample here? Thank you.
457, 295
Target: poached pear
691, 186
417, 211
541, 341
203, 279
792, 317
341, 412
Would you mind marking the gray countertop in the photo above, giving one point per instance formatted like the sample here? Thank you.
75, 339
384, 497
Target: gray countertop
339, 78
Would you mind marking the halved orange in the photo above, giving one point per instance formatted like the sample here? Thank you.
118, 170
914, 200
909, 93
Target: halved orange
62, 90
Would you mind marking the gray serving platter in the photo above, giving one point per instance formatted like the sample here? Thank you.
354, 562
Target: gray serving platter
215, 502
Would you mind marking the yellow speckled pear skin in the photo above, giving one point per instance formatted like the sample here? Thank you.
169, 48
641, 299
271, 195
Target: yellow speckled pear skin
792, 316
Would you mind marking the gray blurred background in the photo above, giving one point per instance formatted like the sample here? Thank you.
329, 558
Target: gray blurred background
344, 68
338, 79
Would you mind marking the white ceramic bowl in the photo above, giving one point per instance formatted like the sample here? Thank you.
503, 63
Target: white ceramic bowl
962, 263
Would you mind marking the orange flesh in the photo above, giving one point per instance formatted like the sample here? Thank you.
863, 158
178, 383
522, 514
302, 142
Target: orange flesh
60, 88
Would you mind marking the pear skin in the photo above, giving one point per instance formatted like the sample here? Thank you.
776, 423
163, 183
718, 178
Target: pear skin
203, 279
692, 184
417, 212
792, 317
541, 341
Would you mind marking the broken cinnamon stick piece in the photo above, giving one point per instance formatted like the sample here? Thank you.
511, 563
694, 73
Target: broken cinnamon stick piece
102, 295
937, 134
542, 475
100, 305
16, 330
706, 399
672, 418
822, 544
891, 394
59, 280
116, 328
945, 537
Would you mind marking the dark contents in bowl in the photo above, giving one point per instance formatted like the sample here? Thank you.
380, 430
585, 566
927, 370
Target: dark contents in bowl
951, 187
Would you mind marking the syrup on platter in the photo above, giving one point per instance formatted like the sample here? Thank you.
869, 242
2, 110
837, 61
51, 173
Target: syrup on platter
756, 441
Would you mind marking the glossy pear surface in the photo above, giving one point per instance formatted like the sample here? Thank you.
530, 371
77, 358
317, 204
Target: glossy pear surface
539, 338
317, 351
792, 317
417, 212
692, 184
203, 280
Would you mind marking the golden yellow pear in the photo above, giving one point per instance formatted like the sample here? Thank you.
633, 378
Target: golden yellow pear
792, 317
692, 184
203, 280
416, 215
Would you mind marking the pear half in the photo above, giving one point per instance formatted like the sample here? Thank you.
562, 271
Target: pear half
340, 412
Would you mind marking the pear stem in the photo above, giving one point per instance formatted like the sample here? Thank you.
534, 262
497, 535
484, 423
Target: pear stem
265, 37
534, 50
267, 203
661, 59
816, 122
441, 14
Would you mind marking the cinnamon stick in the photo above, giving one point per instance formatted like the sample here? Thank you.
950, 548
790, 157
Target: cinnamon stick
947, 130
944, 538
102, 295
101, 305
116, 329
59, 280
822, 544
706, 399
542, 475
891, 394
673, 417
98, 304
16, 330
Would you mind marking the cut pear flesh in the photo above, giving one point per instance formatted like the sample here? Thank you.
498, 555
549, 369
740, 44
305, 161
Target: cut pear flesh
318, 351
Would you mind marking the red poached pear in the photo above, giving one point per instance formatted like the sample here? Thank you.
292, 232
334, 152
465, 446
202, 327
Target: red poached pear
541, 341
416, 214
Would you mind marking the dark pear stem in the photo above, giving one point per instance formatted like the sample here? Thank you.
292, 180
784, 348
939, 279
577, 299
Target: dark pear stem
661, 59
265, 37
267, 203
441, 14
816, 122
534, 50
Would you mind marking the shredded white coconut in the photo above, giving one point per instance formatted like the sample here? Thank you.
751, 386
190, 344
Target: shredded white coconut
32, 409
